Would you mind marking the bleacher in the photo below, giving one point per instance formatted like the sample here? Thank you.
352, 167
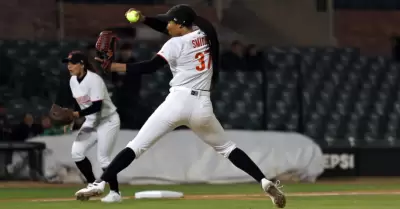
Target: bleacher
334, 95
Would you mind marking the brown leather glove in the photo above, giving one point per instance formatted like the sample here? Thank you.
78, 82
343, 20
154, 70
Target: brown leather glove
62, 116
106, 47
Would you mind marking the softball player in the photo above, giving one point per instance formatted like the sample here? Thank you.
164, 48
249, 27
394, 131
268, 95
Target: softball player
192, 55
102, 120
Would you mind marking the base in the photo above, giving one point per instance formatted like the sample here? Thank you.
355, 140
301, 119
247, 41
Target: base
158, 194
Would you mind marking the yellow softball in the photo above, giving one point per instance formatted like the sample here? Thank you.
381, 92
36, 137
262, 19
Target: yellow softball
132, 16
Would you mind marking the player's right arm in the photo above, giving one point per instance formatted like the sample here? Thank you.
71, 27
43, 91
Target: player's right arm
153, 22
156, 24
96, 94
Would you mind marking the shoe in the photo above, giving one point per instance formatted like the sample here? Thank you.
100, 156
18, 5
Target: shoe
92, 190
274, 192
81, 197
112, 197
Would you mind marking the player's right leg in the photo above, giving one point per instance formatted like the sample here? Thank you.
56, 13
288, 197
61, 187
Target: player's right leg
163, 120
83, 142
204, 123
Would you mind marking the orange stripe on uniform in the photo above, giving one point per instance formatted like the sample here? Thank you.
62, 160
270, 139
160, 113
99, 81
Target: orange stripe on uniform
162, 57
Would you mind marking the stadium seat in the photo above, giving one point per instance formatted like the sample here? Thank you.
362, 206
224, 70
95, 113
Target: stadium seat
334, 95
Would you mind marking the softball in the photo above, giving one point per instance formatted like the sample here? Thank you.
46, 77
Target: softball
132, 16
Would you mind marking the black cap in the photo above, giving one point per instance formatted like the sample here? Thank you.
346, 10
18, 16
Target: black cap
75, 57
181, 14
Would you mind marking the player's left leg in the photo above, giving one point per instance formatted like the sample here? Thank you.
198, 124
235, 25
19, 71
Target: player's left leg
205, 125
107, 135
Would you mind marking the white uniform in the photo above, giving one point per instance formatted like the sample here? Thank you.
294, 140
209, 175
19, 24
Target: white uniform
105, 123
188, 102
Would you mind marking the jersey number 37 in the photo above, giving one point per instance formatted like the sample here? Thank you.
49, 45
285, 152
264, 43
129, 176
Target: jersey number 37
200, 57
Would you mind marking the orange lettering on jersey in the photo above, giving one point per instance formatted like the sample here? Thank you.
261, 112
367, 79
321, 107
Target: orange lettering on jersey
199, 42
200, 57
83, 99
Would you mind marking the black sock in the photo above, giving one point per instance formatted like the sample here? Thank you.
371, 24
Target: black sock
86, 169
119, 163
241, 160
113, 182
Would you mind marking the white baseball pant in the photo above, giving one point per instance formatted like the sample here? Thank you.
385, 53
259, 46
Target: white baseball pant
104, 134
182, 108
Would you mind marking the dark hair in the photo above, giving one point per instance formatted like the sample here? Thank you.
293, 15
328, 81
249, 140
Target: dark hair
88, 65
82, 57
213, 43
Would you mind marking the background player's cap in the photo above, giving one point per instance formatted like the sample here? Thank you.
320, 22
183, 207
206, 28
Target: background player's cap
75, 57
181, 14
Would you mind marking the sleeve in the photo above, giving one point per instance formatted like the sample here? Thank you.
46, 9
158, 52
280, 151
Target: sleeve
97, 89
156, 24
146, 67
170, 51
95, 107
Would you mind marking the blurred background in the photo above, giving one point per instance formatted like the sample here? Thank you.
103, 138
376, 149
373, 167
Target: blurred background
325, 69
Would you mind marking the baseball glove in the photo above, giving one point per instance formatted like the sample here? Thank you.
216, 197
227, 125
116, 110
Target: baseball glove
62, 116
106, 46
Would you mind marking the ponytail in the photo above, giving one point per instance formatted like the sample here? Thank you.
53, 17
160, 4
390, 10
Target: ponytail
213, 42
89, 67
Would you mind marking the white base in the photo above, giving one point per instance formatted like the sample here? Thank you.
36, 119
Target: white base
158, 194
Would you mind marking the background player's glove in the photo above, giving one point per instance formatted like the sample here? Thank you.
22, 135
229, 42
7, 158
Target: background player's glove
106, 46
62, 116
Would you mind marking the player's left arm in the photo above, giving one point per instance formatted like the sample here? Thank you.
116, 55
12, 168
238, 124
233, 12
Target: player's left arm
167, 54
96, 94
143, 67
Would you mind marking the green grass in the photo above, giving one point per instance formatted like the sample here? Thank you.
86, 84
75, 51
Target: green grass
19, 196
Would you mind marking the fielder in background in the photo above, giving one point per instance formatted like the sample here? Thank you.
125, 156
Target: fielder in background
192, 55
101, 124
